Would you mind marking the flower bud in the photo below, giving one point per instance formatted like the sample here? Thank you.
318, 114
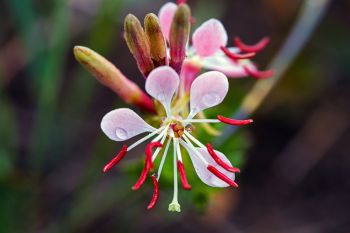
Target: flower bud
107, 74
156, 40
138, 44
179, 34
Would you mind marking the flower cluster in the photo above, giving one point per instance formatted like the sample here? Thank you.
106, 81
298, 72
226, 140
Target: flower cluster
180, 93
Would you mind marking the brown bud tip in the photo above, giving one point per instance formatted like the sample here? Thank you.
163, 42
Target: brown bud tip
179, 34
156, 40
138, 44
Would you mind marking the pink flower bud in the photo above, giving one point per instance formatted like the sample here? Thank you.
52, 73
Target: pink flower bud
179, 34
107, 74
138, 44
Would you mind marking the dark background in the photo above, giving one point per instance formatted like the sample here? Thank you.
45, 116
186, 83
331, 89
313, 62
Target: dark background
296, 173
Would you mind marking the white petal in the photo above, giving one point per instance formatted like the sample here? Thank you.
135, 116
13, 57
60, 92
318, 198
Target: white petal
207, 90
161, 84
209, 37
201, 169
123, 123
166, 15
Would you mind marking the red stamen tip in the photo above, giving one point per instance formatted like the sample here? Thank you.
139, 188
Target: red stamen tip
142, 178
258, 74
149, 152
219, 161
155, 195
234, 121
252, 48
116, 159
222, 176
183, 177
236, 56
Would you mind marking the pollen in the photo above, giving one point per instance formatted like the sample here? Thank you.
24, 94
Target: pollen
177, 128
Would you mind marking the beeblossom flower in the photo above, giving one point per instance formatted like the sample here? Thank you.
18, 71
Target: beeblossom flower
171, 67
175, 130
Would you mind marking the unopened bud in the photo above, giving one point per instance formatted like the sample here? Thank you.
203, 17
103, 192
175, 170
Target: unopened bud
138, 44
179, 34
107, 74
156, 40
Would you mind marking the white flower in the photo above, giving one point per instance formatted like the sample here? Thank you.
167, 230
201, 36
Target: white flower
211, 166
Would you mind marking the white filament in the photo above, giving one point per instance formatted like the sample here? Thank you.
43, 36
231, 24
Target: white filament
163, 158
194, 139
144, 138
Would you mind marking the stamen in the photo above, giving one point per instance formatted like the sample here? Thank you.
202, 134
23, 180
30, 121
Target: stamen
252, 48
201, 121
154, 156
258, 74
222, 176
161, 134
181, 169
219, 161
145, 138
142, 178
163, 159
155, 195
189, 146
183, 177
149, 152
194, 139
116, 159
236, 56
234, 121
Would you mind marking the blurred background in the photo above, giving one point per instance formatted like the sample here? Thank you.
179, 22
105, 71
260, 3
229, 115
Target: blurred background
294, 159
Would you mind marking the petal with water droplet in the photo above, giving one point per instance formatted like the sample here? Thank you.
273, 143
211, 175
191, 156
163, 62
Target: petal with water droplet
207, 90
161, 84
123, 123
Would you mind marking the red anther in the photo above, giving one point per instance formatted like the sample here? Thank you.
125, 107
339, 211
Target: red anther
252, 48
149, 152
142, 178
155, 195
116, 159
234, 121
220, 161
258, 74
183, 177
222, 176
236, 56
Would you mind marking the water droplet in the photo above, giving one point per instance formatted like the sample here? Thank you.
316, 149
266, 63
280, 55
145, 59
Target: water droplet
210, 99
121, 133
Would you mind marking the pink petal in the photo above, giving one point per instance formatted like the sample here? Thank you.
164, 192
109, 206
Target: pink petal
201, 169
165, 15
161, 84
209, 37
207, 90
123, 123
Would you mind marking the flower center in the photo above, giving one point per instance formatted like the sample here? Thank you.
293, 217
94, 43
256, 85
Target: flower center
178, 129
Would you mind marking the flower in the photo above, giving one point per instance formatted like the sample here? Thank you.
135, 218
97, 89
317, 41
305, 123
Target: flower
209, 49
171, 67
211, 166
